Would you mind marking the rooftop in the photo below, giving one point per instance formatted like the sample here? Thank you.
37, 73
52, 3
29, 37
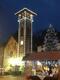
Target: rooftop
50, 55
25, 9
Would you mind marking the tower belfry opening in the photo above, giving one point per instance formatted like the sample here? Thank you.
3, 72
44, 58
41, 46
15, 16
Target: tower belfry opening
25, 19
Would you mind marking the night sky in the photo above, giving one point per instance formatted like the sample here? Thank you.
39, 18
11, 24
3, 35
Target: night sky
48, 12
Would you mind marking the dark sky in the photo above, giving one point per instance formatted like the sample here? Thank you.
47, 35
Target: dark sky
48, 12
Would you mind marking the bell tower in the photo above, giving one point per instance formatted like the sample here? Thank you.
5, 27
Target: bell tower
25, 19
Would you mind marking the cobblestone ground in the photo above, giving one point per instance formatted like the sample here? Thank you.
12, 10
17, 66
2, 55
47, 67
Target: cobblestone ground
12, 78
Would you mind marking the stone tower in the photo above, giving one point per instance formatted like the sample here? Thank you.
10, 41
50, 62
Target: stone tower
25, 19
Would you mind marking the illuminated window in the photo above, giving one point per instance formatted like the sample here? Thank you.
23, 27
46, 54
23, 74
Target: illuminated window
21, 42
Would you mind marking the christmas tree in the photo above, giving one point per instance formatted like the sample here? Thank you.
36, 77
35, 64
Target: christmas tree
50, 39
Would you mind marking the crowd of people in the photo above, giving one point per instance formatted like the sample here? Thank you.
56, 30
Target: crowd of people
48, 77
45, 78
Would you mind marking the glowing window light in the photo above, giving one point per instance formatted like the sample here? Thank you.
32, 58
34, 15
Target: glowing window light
22, 42
19, 14
32, 17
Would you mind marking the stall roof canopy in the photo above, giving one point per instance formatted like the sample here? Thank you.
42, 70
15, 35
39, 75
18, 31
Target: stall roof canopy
51, 55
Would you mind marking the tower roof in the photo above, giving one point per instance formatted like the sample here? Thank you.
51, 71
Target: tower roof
25, 9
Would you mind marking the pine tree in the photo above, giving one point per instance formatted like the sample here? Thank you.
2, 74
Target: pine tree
50, 39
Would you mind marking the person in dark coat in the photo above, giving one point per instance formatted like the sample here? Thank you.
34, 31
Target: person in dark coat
50, 78
33, 78
47, 78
